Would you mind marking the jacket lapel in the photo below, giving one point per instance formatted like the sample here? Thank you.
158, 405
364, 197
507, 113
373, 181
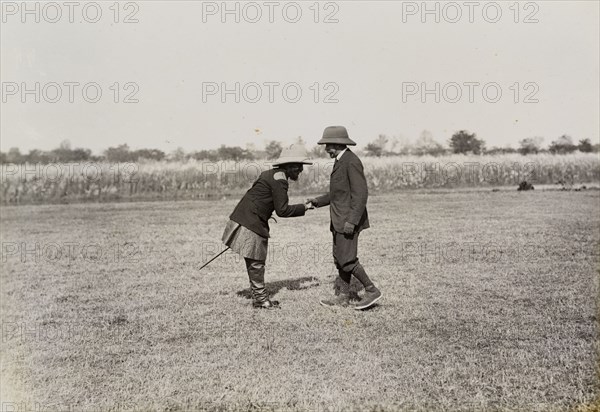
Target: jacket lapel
338, 163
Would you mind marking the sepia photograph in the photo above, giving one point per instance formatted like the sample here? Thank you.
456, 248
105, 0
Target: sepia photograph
320, 206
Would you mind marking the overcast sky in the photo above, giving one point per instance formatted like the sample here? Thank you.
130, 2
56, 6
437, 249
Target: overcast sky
364, 68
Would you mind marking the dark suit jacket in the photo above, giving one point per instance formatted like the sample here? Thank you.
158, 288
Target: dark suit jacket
267, 194
347, 195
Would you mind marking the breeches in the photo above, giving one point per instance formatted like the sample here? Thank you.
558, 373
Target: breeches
345, 249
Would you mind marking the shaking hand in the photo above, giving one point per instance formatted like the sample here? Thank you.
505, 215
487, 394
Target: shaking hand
313, 202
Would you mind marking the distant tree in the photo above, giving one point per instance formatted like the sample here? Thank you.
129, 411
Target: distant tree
465, 142
426, 145
377, 147
273, 149
585, 146
233, 153
530, 145
79, 154
14, 156
38, 156
150, 154
562, 145
120, 153
373, 150
210, 155
64, 153
501, 150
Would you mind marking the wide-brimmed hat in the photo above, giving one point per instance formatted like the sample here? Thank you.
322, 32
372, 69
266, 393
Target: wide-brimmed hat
295, 153
336, 135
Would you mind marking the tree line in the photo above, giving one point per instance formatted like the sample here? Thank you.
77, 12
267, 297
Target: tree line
463, 142
460, 142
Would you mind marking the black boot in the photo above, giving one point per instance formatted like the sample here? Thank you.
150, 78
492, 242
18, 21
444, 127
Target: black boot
256, 274
372, 294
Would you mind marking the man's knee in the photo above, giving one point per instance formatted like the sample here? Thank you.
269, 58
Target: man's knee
348, 266
252, 264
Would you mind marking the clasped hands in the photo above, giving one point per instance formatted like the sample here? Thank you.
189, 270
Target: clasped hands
310, 203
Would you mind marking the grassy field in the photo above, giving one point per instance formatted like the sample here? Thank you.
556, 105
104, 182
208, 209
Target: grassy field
490, 303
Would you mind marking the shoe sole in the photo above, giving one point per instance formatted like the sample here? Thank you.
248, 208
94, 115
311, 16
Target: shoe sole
369, 305
332, 306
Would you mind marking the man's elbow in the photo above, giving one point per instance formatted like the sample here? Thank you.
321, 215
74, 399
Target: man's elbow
284, 212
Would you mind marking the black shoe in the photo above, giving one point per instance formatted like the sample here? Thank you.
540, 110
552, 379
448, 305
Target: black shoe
368, 299
267, 304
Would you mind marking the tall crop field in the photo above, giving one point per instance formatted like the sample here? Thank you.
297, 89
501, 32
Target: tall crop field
55, 183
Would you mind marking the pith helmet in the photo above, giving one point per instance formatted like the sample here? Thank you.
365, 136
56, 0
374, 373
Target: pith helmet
295, 153
337, 135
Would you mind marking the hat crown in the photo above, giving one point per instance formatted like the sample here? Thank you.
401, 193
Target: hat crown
336, 135
295, 153
294, 150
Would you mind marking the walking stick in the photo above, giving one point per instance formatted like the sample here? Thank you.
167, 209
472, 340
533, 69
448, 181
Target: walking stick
206, 264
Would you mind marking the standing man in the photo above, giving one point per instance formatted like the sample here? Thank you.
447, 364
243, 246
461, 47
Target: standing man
247, 231
347, 198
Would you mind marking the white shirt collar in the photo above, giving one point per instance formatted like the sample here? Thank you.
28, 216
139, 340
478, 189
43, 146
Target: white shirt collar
339, 156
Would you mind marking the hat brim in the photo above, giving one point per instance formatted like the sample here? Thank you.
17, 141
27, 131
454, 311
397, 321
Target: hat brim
337, 140
299, 160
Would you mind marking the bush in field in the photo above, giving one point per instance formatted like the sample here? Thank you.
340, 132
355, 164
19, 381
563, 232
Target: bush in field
585, 146
13, 156
562, 145
377, 147
426, 145
273, 149
149, 154
234, 153
500, 151
465, 142
117, 154
530, 145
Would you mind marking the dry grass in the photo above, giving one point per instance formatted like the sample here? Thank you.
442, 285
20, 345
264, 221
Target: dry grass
196, 179
508, 323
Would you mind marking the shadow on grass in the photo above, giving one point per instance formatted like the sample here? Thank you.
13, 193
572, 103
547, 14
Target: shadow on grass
291, 284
